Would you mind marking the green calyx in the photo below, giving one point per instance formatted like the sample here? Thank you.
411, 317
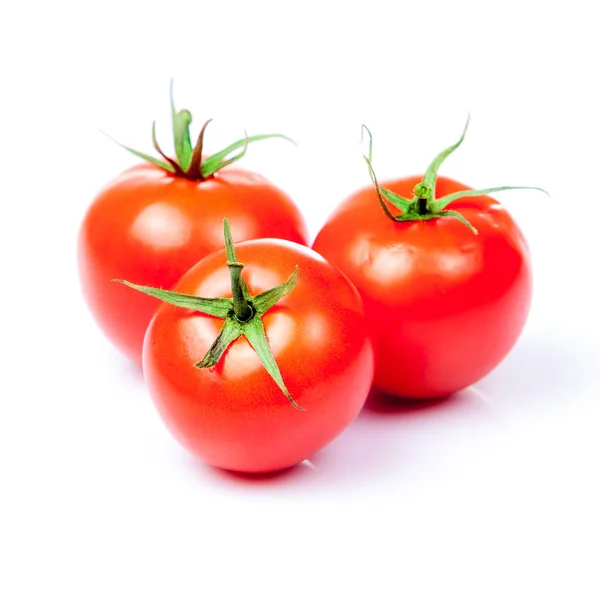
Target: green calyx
189, 162
424, 206
242, 314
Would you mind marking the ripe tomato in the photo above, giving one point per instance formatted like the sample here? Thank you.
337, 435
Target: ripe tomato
234, 415
154, 221
445, 305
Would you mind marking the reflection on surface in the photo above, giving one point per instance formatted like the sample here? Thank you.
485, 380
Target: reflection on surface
315, 327
381, 261
462, 263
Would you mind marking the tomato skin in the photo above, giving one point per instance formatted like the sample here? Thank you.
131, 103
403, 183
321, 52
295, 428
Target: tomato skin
445, 306
149, 226
233, 415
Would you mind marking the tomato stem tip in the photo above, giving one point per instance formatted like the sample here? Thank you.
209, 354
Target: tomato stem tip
190, 162
424, 206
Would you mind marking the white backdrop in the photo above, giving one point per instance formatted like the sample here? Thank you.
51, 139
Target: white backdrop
492, 494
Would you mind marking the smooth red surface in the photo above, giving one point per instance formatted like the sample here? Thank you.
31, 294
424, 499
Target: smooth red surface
445, 305
149, 227
233, 415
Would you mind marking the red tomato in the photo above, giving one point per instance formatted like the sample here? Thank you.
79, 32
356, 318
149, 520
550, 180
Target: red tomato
234, 415
156, 220
150, 225
445, 305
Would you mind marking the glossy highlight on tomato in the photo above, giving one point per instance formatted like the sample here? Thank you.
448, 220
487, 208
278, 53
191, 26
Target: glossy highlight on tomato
233, 415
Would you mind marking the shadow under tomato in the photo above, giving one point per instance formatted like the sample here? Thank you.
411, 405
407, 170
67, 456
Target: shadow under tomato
128, 369
380, 402
401, 437
544, 372
291, 474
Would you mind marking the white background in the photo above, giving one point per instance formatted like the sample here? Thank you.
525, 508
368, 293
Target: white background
491, 494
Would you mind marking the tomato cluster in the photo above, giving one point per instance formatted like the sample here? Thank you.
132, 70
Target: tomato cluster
258, 350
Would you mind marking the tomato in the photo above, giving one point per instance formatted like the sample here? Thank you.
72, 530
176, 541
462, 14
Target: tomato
445, 305
154, 221
149, 226
234, 415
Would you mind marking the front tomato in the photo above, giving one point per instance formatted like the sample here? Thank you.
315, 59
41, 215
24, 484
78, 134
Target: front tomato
156, 220
268, 402
446, 283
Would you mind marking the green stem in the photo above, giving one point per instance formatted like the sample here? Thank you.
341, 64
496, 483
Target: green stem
423, 194
243, 311
189, 162
424, 206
